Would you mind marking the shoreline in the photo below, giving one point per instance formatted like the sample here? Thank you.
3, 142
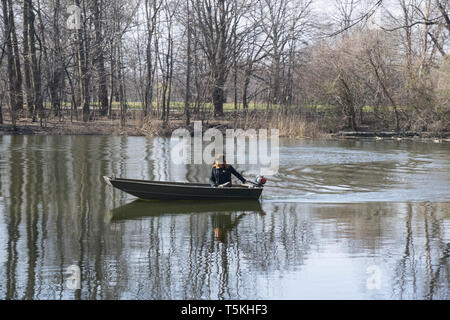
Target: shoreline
101, 128
56, 127
437, 137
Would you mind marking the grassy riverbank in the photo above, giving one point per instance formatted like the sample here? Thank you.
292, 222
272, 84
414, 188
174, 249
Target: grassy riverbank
306, 123
295, 125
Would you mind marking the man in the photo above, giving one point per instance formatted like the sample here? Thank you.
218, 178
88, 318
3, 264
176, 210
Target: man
221, 173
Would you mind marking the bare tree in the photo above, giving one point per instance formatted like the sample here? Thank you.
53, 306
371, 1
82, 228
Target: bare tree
82, 60
187, 97
35, 68
185, 56
254, 52
97, 8
216, 22
12, 52
152, 9
283, 21
27, 60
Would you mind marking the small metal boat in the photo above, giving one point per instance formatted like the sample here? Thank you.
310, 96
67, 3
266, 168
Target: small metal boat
162, 190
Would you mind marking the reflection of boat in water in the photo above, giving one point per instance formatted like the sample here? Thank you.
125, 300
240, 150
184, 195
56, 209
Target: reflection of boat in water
140, 209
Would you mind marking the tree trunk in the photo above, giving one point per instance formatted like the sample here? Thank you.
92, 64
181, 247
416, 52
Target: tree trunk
57, 74
196, 78
82, 66
151, 12
275, 83
111, 78
218, 98
188, 67
248, 72
217, 21
26, 60
170, 78
16, 56
386, 92
123, 105
1, 111
235, 71
423, 66
148, 95
36, 72
347, 103
100, 59
166, 73
444, 13
407, 27
13, 68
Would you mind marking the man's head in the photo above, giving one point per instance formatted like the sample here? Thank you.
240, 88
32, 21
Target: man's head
220, 161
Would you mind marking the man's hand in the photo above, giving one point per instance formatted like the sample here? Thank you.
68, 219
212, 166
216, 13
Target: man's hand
226, 184
248, 183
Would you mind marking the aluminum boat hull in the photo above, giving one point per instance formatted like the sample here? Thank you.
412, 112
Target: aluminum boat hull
161, 190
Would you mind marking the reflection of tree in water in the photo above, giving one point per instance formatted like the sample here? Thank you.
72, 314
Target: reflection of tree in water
419, 269
205, 267
278, 243
54, 216
14, 222
423, 271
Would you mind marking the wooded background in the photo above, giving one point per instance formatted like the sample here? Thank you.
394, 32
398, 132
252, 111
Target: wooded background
382, 64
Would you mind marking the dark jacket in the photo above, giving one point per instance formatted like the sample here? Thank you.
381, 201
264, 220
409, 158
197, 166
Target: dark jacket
223, 175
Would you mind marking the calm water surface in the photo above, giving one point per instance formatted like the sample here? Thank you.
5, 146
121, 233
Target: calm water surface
335, 209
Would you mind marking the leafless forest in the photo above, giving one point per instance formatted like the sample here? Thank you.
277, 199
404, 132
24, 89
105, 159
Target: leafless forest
329, 65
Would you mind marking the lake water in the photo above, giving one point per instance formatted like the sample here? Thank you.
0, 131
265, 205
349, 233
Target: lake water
347, 219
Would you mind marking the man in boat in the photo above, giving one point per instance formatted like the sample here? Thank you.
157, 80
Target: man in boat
221, 173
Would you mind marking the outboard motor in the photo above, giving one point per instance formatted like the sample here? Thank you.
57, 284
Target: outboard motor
261, 181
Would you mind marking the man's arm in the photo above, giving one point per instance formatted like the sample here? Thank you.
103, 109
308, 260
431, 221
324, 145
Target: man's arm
212, 179
237, 175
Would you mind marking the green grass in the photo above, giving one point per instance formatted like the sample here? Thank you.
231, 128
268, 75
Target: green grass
320, 108
226, 107
206, 106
